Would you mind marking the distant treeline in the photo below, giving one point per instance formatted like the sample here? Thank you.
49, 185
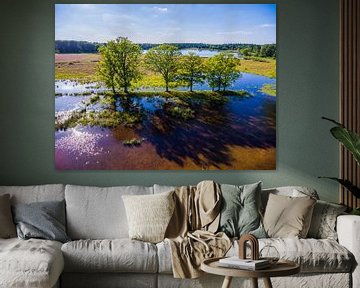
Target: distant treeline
72, 46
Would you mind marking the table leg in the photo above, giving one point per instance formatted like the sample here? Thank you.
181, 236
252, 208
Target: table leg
227, 282
267, 283
254, 282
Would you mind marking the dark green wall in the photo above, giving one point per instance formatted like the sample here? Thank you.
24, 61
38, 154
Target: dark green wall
307, 89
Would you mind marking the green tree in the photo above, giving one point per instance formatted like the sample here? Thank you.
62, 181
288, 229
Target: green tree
119, 64
245, 52
268, 50
163, 59
222, 70
191, 70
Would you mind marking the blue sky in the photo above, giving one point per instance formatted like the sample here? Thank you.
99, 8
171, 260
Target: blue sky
172, 23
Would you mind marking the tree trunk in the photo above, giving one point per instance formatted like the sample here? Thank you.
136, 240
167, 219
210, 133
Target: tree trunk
167, 86
191, 87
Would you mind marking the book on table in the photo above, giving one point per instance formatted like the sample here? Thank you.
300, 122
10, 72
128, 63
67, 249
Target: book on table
236, 262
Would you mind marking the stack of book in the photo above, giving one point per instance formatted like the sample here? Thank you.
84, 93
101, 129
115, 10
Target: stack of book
248, 264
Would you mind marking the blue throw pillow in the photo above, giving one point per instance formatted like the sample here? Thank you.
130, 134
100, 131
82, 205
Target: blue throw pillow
240, 213
43, 220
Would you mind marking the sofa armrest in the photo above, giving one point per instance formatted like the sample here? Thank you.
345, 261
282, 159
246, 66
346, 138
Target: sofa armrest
348, 230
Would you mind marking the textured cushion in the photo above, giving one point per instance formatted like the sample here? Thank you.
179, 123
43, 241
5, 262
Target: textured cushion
323, 222
149, 215
37, 193
31, 263
7, 227
240, 210
287, 216
118, 255
98, 213
313, 255
291, 191
44, 220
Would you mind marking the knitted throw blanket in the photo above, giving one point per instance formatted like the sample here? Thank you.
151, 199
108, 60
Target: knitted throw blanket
191, 232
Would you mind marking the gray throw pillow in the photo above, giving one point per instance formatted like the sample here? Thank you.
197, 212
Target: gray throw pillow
43, 220
7, 226
240, 213
323, 222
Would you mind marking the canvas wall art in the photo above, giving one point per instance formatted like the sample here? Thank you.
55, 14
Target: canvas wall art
165, 87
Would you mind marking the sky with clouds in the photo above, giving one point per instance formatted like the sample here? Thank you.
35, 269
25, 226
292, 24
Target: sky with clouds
167, 23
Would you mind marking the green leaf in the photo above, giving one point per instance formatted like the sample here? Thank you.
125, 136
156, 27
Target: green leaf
347, 184
349, 139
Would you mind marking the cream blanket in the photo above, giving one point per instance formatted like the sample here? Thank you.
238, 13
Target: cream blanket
191, 231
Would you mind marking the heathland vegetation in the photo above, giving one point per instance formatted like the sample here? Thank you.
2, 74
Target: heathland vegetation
84, 67
129, 73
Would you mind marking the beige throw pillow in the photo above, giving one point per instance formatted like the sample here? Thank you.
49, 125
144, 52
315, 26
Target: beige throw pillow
7, 226
288, 217
149, 215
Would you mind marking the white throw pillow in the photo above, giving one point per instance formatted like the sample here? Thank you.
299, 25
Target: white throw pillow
149, 215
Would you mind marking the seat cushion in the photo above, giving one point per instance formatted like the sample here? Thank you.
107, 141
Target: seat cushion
313, 255
30, 263
118, 255
98, 213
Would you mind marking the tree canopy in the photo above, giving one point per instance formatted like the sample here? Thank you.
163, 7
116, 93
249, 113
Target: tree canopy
163, 59
222, 70
119, 64
191, 70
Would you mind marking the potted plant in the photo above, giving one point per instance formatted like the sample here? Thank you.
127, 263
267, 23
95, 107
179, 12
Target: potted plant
351, 141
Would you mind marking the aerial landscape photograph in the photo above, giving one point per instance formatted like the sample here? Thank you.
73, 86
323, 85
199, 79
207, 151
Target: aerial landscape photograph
165, 86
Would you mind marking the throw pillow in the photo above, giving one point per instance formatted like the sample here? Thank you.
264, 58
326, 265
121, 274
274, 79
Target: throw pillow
240, 213
43, 220
323, 223
288, 217
7, 227
149, 215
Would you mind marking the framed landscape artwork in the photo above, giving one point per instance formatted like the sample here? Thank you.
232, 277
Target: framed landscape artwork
165, 87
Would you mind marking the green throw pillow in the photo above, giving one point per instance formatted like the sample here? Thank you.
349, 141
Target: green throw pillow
240, 213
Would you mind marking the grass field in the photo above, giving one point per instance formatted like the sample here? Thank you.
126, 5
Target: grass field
83, 67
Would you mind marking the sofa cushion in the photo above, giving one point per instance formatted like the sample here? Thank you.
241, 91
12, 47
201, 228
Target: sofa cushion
42, 220
323, 222
287, 216
98, 213
36, 193
313, 255
240, 210
30, 263
117, 255
291, 191
149, 215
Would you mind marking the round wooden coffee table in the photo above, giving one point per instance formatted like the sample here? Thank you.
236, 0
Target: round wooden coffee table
281, 268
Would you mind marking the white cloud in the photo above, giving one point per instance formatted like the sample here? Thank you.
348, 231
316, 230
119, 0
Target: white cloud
160, 9
266, 25
238, 32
